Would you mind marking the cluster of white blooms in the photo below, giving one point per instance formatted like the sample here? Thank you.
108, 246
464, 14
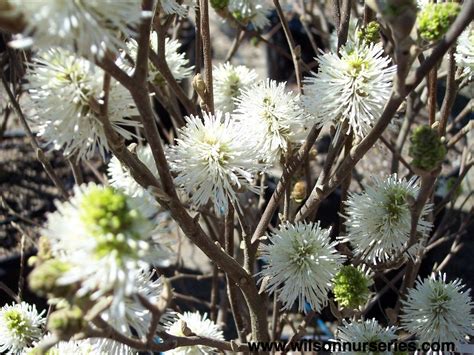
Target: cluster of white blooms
302, 262
177, 62
120, 177
90, 346
65, 92
437, 310
193, 323
174, 7
137, 318
90, 27
228, 81
254, 11
214, 158
378, 220
364, 332
20, 327
351, 88
275, 115
109, 230
465, 52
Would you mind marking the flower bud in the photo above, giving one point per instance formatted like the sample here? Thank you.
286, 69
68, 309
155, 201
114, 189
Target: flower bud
67, 322
351, 287
426, 148
200, 86
299, 192
435, 19
42, 279
370, 33
44, 249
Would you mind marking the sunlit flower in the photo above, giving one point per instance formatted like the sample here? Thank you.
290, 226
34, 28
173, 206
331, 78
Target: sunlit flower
137, 318
213, 159
229, 80
378, 220
20, 326
302, 262
90, 27
194, 324
465, 52
107, 241
352, 88
365, 332
120, 177
63, 89
254, 11
274, 116
174, 7
438, 311
177, 61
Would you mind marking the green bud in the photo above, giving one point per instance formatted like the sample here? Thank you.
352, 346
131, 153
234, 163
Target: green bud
42, 279
370, 33
67, 322
426, 148
219, 4
351, 287
434, 20
105, 210
44, 249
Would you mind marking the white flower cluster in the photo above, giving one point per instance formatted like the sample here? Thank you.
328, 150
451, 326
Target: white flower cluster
174, 7
110, 231
302, 262
120, 178
213, 159
90, 27
364, 332
437, 310
275, 115
352, 88
20, 327
197, 324
465, 52
229, 80
177, 62
254, 11
66, 91
378, 220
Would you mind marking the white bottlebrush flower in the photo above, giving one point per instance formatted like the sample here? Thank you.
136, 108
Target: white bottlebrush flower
198, 325
62, 87
90, 27
254, 11
177, 61
378, 220
106, 239
137, 318
465, 52
174, 7
274, 116
229, 80
438, 311
365, 332
120, 177
214, 157
353, 88
102, 346
20, 327
302, 262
